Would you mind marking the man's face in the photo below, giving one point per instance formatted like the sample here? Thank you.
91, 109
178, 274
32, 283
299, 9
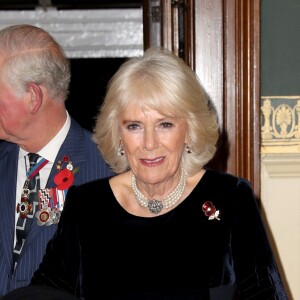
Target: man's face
12, 114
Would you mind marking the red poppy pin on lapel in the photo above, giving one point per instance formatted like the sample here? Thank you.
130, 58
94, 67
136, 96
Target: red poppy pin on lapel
65, 177
210, 211
51, 200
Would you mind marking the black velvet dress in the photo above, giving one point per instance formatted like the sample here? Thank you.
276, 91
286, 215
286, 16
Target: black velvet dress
185, 254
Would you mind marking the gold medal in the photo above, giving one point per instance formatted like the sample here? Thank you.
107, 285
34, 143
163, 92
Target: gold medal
44, 216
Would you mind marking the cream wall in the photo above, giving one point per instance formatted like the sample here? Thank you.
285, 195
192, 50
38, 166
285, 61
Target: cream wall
280, 196
280, 183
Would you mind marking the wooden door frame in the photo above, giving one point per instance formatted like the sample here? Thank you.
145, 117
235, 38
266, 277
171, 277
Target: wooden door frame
221, 43
242, 59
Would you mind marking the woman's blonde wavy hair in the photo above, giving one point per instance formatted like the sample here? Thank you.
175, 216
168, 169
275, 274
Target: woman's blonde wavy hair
162, 81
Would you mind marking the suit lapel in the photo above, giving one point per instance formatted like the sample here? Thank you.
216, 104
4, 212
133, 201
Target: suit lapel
74, 147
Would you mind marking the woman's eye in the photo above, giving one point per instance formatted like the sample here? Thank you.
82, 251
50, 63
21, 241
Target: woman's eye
133, 126
166, 124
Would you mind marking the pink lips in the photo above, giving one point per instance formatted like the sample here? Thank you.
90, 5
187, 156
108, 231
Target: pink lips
153, 162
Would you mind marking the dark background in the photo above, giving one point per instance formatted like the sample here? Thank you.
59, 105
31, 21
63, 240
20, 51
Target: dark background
88, 87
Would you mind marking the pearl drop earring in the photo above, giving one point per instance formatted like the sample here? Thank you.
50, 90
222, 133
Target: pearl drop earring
120, 149
188, 148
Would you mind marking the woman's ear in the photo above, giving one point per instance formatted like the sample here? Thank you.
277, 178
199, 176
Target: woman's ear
35, 97
187, 139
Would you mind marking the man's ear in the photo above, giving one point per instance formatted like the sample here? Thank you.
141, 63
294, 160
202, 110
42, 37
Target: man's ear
35, 95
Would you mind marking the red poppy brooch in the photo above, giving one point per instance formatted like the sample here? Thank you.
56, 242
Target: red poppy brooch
51, 200
210, 211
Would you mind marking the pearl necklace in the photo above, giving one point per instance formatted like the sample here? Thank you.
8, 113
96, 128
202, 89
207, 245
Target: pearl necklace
155, 206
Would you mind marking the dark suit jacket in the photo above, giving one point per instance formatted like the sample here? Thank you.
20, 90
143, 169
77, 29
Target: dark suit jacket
84, 154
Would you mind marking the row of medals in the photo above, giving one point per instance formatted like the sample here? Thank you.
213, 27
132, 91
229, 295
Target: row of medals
46, 215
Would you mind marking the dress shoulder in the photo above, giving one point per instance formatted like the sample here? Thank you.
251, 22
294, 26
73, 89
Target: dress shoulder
218, 182
90, 194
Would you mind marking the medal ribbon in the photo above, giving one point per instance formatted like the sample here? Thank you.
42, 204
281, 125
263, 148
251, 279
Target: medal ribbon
24, 207
33, 171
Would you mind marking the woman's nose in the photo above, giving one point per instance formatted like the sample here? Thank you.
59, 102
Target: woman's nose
150, 139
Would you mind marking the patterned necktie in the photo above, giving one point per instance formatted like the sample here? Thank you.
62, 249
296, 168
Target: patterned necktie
27, 207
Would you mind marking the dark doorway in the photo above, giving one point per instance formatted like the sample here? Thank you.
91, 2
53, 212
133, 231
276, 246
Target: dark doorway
88, 87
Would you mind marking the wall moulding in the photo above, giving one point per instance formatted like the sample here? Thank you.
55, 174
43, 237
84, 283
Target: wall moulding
280, 119
281, 165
